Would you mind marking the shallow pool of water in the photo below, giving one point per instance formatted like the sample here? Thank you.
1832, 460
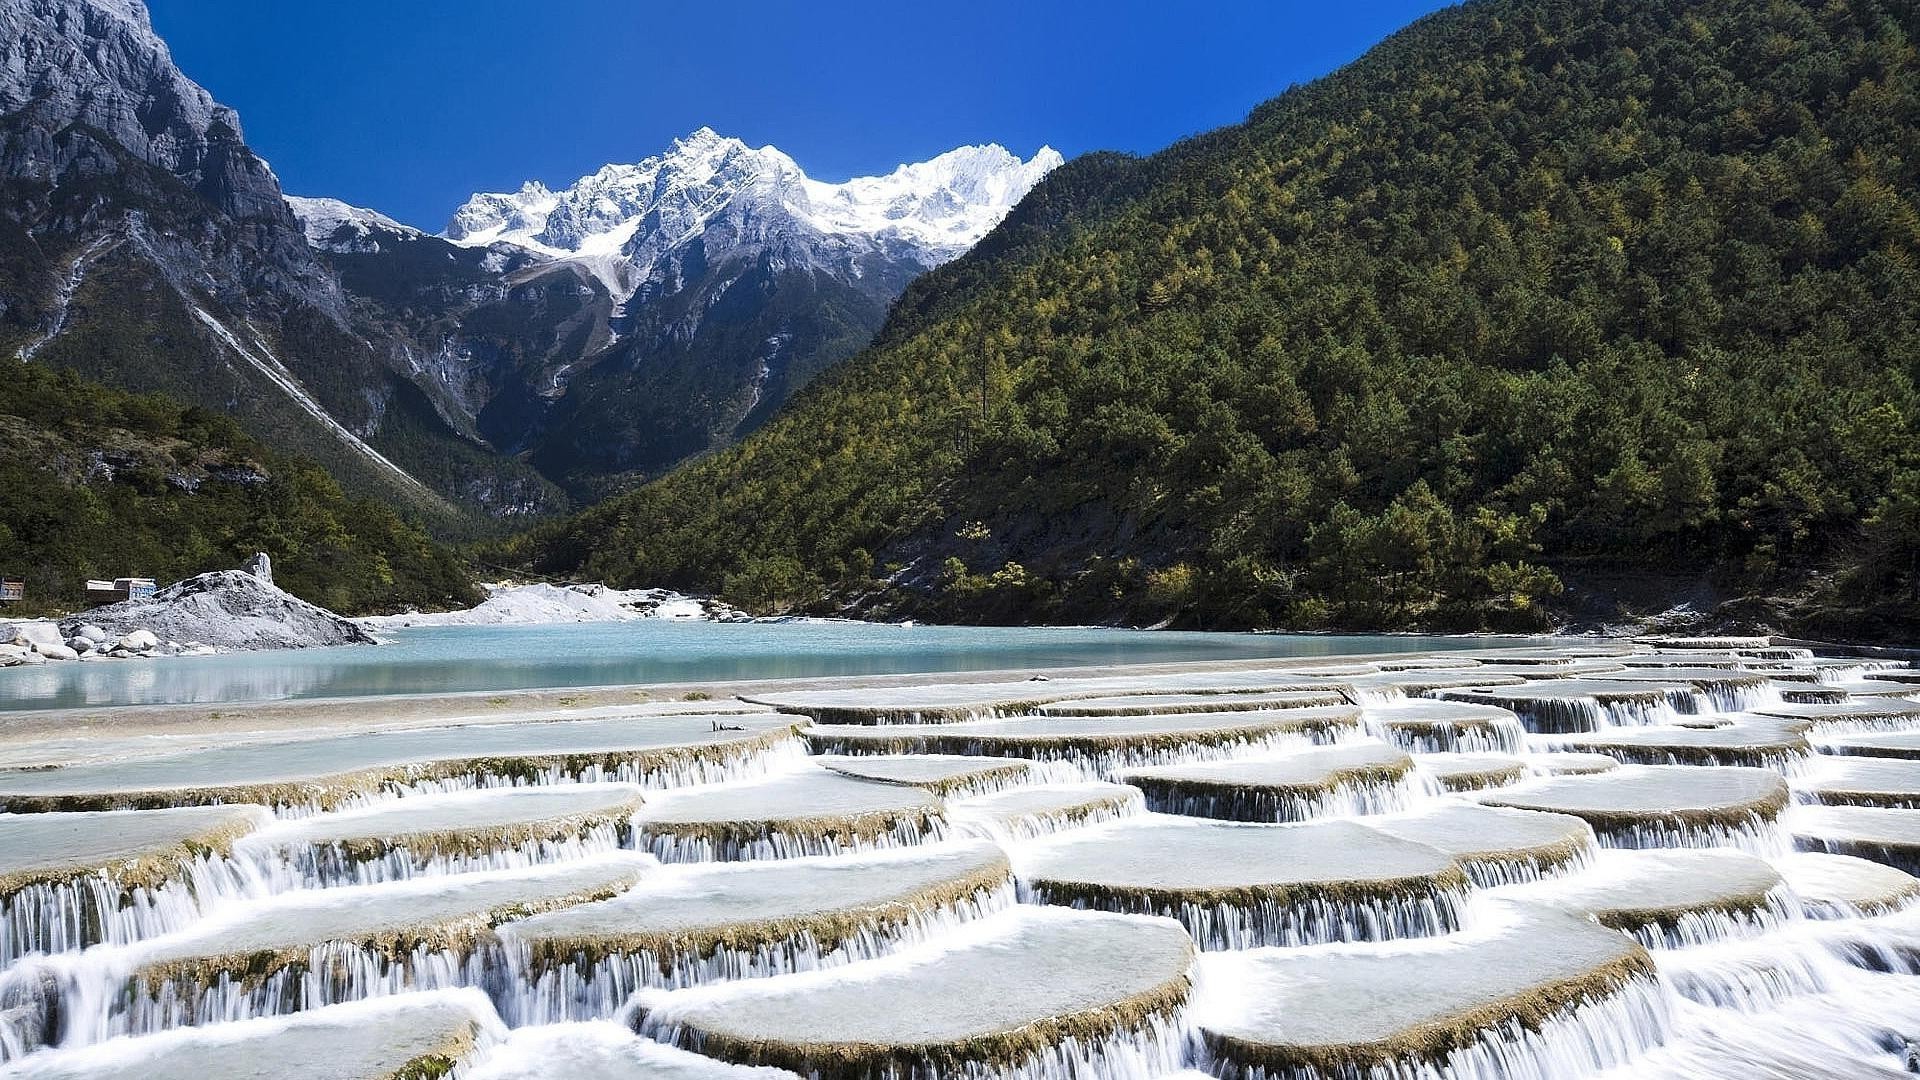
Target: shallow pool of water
430, 660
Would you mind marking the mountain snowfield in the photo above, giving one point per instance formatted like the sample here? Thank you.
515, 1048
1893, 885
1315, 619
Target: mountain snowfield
621, 221
332, 225
652, 311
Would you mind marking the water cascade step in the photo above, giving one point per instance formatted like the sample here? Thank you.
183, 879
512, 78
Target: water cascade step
1093, 747
1851, 716
68, 881
1345, 780
1533, 993
702, 924
1845, 887
945, 775
402, 1037
1038, 993
1237, 886
1560, 706
1570, 763
1471, 772
813, 812
304, 949
1030, 812
1885, 836
1166, 704
1425, 726
1862, 781
1497, 846
321, 774
1648, 806
1759, 742
602, 1050
452, 832
1673, 899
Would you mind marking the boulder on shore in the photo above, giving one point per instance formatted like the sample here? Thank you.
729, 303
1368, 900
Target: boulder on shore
226, 609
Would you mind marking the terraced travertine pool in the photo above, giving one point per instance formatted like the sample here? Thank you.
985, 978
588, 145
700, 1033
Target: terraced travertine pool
1679, 859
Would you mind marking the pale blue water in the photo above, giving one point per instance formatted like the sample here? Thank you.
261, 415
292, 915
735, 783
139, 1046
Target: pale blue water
452, 659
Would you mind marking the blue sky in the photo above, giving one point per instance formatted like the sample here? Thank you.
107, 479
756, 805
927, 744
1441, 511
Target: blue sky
409, 105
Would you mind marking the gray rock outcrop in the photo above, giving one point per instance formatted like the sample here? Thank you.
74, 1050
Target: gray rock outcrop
226, 609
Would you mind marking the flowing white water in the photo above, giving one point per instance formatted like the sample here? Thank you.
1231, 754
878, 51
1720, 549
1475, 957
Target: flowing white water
1740, 992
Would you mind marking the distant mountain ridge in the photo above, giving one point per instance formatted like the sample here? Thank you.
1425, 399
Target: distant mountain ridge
652, 311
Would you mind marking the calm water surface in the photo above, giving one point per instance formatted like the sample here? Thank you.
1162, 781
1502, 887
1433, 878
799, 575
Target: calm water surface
430, 660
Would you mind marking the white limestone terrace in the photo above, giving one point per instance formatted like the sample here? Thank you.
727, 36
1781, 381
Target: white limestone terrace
942, 902
1238, 885
1026, 813
809, 812
1422, 725
1348, 779
946, 775
602, 1050
1028, 992
1542, 993
1094, 746
70, 881
1861, 781
712, 922
1672, 898
1663, 805
1497, 846
380, 1039
1888, 836
449, 832
1842, 886
1471, 772
325, 773
369, 940
1757, 741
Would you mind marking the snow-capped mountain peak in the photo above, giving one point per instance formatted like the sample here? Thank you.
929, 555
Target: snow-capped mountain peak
622, 219
332, 225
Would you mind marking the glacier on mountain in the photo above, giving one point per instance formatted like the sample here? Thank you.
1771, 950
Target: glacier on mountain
332, 225
622, 220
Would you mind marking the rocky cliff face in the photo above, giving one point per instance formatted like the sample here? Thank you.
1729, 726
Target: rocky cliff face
640, 316
143, 243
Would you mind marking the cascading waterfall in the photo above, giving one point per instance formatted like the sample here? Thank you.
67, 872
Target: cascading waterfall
529, 991
784, 843
1152, 1049
330, 973
1254, 922
1598, 1032
96, 909
328, 865
1343, 799
1804, 987
1753, 834
674, 772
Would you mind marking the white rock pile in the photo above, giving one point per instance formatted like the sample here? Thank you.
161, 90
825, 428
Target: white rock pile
223, 611
541, 604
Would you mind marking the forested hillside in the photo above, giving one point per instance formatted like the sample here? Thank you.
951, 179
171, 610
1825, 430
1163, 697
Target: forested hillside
1535, 285
96, 482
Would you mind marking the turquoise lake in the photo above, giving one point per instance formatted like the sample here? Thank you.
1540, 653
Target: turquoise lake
434, 660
